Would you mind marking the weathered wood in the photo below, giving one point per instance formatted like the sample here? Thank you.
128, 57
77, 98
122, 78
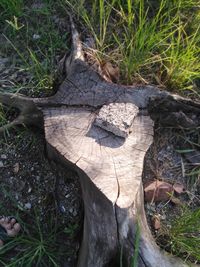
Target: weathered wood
110, 170
29, 113
110, 167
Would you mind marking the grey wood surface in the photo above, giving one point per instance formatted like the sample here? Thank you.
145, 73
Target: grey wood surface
110, 167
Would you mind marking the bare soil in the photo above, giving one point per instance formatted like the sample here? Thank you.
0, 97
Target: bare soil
32, 186
174, 157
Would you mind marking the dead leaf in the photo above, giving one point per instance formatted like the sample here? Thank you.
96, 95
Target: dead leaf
16, 168
156, 222
158, 191
179, 188
110, 72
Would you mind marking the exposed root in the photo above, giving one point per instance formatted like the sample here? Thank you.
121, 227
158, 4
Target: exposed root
173, 102
30, 114
14, 100
66, 62
77, 50
10, 125
174, 111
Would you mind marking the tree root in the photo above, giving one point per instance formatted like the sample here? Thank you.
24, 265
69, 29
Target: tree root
29, 113
174, 111
10, 125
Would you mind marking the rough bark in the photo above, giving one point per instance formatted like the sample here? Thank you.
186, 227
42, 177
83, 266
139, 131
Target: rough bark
109, 166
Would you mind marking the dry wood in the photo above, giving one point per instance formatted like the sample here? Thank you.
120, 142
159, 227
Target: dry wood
110, 167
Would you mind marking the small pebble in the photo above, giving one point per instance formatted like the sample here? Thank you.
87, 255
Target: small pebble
36, 36
62, 209
1, 164
29, 190
3, 156
71, 210
27, 206
75, 213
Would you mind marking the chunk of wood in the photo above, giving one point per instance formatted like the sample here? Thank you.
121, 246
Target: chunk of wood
117, 118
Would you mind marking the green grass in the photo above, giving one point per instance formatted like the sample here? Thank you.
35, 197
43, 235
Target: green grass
182, 58
10, 8
35, 56
41, 242
71, 229
134, 258
3, 119
151, 41
184, 235
34, 249
4, 114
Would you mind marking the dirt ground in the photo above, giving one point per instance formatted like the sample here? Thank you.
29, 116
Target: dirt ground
174, 157
31, 187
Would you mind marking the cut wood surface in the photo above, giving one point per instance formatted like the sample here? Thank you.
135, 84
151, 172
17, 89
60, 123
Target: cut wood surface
110, 167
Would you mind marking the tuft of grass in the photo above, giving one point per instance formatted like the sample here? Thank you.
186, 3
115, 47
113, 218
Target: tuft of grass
35, 249
41, 242
181, 58
71, 230
10, 8
141, 37
34, 42
4, 113
3, 119
96, 16
184, 237
32, 249
151, 41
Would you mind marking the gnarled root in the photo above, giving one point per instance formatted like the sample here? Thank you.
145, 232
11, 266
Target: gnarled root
29, 113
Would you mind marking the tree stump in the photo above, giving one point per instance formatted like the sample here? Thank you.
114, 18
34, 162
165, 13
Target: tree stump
103, 131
